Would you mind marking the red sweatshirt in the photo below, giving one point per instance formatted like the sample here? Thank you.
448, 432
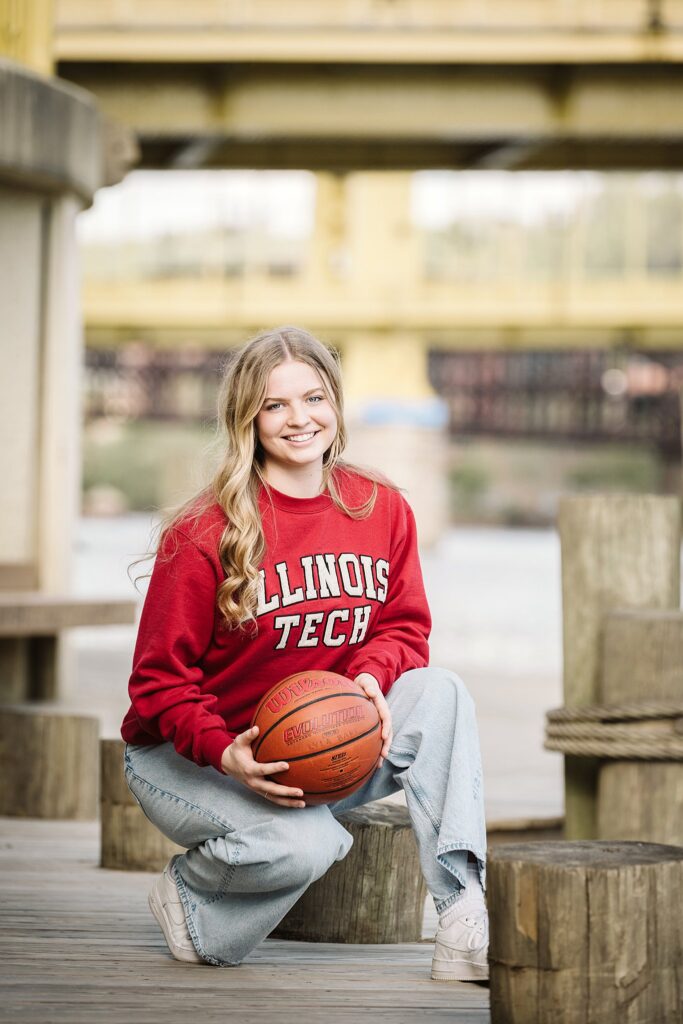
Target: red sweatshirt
336, 593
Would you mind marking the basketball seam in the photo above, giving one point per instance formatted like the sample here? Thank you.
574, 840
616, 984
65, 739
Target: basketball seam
266, 695
294, 675
301, 707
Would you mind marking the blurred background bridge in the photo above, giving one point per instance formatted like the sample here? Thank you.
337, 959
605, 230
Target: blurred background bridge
566, 327
563, 328
540, 84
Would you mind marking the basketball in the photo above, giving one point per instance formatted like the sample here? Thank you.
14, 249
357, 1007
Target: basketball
325, 727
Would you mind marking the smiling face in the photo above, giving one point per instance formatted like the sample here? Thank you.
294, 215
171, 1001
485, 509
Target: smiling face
295, 425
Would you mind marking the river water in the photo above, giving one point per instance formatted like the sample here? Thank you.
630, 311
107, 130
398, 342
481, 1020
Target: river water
496, 605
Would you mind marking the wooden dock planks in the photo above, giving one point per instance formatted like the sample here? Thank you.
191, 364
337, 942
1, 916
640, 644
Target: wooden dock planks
78, 945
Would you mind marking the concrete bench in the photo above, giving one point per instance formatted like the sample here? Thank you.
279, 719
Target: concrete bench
30, 625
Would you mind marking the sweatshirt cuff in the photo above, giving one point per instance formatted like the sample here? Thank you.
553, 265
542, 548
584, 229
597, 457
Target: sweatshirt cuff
214, 743
380, 674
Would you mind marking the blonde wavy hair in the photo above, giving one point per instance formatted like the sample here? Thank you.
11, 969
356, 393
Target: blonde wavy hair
238, 479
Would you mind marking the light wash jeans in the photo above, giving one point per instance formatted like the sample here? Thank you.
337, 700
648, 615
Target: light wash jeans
248, 861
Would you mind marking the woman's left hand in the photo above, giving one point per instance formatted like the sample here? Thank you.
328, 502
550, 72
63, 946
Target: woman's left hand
374, 692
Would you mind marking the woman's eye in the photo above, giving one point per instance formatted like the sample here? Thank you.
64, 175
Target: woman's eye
275, 405
315, 398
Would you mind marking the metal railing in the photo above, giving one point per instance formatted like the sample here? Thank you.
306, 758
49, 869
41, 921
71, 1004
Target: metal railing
581, 396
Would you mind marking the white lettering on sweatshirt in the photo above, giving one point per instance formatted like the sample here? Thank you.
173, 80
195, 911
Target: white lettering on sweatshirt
322, 576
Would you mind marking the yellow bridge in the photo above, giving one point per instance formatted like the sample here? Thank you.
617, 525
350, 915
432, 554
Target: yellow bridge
367, 272
369, 84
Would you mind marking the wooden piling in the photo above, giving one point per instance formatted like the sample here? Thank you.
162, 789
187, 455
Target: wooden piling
642, 656
48, 763
376, 894
618, 551
642, 659
585, 931
129, 841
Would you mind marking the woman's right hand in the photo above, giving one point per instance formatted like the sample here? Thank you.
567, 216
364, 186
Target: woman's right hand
238, 761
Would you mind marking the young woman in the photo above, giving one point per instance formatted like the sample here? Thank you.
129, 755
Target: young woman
293, 560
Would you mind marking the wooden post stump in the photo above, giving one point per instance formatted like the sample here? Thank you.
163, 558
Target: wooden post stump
585, 932
48, 763
642, 660
618, 551
130, 842
376, 894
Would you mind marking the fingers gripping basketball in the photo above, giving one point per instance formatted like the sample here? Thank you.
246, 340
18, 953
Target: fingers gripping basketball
327, 730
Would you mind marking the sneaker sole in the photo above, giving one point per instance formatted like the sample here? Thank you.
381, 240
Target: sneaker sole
460, 970
186, 955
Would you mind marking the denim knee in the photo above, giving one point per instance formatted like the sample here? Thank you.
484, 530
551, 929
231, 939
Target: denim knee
439, 681
453, 680
317, 842
293, 849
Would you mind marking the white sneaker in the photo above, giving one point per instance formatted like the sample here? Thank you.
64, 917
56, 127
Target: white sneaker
462, 942
166, 905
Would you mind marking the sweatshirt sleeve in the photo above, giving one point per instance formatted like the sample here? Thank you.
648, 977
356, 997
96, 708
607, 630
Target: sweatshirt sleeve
176, 628
399, 641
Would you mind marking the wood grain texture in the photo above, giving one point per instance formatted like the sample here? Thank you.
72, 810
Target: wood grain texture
618, 551
78, 945
641, 800
583, 932
642, 658
48, 762
129, 840
376, 894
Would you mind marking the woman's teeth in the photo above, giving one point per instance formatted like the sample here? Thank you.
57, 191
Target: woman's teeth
301, 437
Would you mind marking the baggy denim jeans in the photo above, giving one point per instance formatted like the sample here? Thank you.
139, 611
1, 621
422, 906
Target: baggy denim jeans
248, 861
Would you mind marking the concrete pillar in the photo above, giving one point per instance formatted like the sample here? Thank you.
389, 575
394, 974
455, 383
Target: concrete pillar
59, 470
22, 227
50, 166
40, 398
51, 162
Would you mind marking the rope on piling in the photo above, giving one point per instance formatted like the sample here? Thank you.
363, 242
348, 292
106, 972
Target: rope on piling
618, 712
599, 731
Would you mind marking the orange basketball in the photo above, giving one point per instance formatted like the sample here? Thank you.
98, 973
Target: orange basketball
327, 730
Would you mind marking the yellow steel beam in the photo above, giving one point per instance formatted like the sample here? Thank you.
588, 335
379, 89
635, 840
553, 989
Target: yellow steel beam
405, 31
26, 33
310, 47
212, 305
449, 106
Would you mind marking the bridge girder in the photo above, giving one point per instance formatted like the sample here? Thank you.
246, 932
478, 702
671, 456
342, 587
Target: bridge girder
357, 117
436, 32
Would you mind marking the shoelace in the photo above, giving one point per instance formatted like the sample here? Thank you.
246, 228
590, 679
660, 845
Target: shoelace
475, 920
479, 934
